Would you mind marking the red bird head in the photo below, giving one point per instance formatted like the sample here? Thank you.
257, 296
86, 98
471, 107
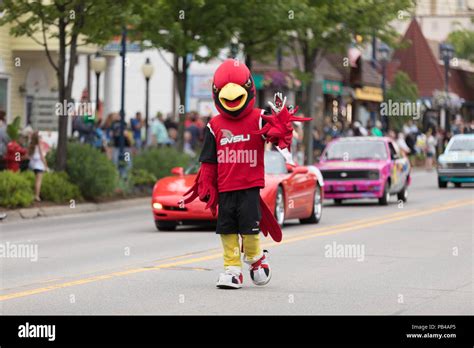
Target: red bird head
233, 89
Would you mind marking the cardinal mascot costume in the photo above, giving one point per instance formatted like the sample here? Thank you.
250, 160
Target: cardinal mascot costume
232, 171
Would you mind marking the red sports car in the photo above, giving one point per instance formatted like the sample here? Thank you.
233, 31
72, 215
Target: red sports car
292, 192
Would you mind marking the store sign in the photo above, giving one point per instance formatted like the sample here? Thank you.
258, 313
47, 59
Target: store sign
258, 81
369, 93
332, 87
201, 86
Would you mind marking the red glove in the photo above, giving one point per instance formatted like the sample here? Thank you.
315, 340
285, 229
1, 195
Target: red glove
278, 129
204, 187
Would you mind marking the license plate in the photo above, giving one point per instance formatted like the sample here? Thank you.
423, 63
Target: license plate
340, 188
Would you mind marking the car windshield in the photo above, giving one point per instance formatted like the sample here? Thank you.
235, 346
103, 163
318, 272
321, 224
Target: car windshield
192, 168
466, 144
275, 163
356, 150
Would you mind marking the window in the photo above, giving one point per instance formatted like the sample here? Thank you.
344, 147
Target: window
4, 95
393, 151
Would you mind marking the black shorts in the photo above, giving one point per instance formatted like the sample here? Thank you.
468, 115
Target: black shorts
239, 212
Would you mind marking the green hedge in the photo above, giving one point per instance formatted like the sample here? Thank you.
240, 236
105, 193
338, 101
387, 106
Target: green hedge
89, 169
142, 177
160, 161
15, 190
57, 188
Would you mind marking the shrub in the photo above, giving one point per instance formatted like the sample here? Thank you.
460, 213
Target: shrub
89, 169
142, 177
160, 161
57, 188
15, 190
30, 176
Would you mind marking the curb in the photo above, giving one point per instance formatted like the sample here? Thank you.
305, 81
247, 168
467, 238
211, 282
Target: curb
63, 210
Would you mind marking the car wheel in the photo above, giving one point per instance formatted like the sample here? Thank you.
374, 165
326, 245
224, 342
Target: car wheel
317, 208
280, 206
337, 201
442, 184
386, 195
403, 194
165, 225
457, 184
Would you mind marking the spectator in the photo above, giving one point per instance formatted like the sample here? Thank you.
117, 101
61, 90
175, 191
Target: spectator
37, 162
173, 136
318, 145
392, 135
188, 149
403, 145
194, 126
4, 139
377, 129
169, 123
430, 149
410, 127
159, 132
116, 136
107, 131
358, 129
136, 124
470, 130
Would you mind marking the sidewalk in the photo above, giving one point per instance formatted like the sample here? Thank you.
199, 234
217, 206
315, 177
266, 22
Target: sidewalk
15, 215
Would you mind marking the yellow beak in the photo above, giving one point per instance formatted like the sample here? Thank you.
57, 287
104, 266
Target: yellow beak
233, 96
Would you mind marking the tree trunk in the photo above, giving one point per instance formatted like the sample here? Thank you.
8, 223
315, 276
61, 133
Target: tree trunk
181, 75
248, 61
63, 98
309, 65
308, 126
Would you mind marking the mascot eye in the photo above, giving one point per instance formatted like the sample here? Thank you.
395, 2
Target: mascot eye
214, 88
248, 84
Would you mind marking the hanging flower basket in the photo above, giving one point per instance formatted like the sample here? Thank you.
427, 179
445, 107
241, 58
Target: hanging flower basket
278, 80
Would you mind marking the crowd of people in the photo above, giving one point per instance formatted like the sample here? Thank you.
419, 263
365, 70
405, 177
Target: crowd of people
412, 141
104, 134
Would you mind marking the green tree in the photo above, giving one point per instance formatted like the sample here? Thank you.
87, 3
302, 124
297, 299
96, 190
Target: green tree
260, 27
190, 30
402, 90
71, 23
321, 26
463, 43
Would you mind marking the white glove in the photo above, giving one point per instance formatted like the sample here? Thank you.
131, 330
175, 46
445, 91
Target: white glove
278, 102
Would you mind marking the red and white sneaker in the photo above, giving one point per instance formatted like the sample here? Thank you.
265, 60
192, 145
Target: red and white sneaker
260, 271
231, 279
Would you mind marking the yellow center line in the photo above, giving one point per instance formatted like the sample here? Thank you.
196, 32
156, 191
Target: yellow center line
350, 226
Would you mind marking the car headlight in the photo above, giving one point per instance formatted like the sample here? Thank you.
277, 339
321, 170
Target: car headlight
442, 165
157, 206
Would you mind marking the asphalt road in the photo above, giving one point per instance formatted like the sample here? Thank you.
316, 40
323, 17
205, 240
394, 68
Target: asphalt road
415, 258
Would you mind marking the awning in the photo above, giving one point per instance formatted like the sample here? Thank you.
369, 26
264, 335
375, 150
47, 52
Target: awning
369, 93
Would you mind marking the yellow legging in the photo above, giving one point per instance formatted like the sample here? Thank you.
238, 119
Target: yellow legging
231, 245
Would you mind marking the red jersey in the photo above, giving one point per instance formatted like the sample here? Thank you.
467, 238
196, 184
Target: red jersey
238, 153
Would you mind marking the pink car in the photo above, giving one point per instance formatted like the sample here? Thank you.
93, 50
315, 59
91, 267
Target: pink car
364, 167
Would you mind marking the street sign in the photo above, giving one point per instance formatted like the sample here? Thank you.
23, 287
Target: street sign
116, 46
332, 87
